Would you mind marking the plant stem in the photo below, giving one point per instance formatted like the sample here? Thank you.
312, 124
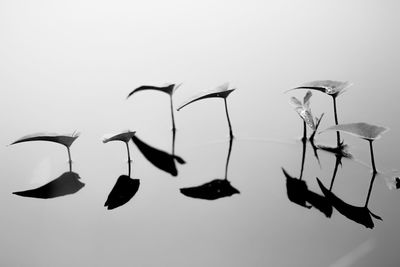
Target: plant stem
336, 120
370, 189
69, 159
372, 157
129, 159
229, 121
304, 141
173, 141
228, 157
172, 113
304, 131
337, 163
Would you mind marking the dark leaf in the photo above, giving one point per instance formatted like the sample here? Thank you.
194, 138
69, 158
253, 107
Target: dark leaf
65, 140
213, 190
169, 89
124, 137
68, 183
124, 189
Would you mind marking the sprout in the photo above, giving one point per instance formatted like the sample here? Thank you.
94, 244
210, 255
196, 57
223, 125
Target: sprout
219, 92
65, 140
123, 137
332, 88
362, 130
169, 89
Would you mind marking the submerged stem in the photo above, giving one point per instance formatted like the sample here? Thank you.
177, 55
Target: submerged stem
337, 163
227, 116
336, 120
173, 141
129, 159
304, 131
372, 157
69, 159
304, 141
370, 189
172, 113
228, 157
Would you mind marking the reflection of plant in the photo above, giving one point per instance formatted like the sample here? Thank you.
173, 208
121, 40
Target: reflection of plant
304, 111
332, 88
169, 89
219, 92
124, 137
362, 130
65, 140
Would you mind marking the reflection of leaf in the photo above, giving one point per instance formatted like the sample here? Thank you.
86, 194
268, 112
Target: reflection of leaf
158, 158
65, 140
296, 190
215, 189
361, 129
124, 137
320, 202
334, 88
169, 89
124, 189
68, 183
361, 215
220, 92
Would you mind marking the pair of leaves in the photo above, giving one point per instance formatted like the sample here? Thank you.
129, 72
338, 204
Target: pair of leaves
304, 110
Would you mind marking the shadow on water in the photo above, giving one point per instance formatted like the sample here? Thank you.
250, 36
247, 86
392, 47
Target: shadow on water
160, 159
361, 215
215, 189
68, 183
299, 193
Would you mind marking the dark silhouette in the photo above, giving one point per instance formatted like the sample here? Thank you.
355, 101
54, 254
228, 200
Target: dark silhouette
361, 215
159, 158
397, 179
215, 189
169, 89
220, 92
299, 193
68, 183
124, 189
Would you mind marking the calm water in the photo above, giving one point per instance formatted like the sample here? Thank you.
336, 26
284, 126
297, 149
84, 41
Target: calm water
70, 66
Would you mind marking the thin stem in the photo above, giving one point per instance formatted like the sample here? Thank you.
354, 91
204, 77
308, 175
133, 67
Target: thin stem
129, 159
69, 159
172, 113
173, 141
372, 157
227, 116
304, 131
228, 157
370, 189
337, 163
303, 158
336, 120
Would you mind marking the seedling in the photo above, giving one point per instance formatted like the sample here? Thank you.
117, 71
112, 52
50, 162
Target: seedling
332, 88
125, 187
362, 130
222, 91
65, 140
169, 89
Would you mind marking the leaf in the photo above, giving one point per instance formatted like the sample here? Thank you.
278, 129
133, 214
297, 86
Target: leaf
303, 109
296, 190
361, 215
334, 88
158, 158
221, 91
213, 190
361, 129
68, 183
124, 189
124, 137
169, 89
65, 140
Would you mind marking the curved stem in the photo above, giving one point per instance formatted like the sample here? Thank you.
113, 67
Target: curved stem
129, 159
69, 159
372, 157
228, 157
337, 163
227, 116
336, 120
172, 113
